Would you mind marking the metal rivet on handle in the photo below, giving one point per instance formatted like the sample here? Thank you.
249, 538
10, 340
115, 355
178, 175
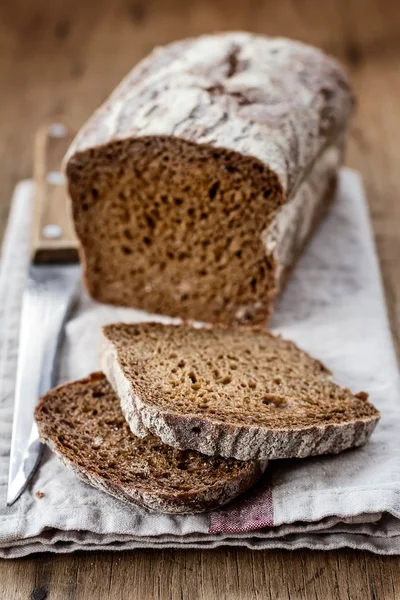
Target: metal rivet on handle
57, 130
52, 232
55, 177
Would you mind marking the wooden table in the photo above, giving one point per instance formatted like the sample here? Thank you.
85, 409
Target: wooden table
63, 58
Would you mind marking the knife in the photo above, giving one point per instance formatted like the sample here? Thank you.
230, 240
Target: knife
51, 288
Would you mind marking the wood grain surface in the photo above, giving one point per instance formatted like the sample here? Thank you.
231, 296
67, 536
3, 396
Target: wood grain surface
62, 58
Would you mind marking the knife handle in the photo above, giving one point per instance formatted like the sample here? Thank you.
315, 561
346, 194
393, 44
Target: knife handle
53, 235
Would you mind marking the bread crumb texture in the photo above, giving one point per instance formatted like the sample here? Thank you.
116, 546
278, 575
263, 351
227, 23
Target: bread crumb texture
232, 376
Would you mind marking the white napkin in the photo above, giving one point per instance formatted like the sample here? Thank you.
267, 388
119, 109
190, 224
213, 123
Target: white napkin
334, 308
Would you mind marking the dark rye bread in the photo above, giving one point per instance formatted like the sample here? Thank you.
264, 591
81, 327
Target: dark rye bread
82, 422
197, 183
231, 392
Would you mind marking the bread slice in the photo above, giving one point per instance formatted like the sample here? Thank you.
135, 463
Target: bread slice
82, 422
231, 392
198, 182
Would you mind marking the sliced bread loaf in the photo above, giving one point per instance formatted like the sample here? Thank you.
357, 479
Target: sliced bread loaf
82, 422
197, 183
231, 392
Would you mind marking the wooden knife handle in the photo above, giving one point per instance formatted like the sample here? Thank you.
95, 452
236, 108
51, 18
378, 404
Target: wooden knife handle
53, 235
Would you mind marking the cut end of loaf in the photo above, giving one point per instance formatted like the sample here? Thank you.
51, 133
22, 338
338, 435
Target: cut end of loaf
82, 422
176, 228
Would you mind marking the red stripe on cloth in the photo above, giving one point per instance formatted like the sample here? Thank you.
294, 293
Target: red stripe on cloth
253, 511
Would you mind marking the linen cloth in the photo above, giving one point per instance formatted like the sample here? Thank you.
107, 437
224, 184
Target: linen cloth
334, 308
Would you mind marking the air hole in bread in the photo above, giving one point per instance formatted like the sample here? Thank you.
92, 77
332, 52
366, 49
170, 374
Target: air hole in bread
150, 221
192, 377
212, 192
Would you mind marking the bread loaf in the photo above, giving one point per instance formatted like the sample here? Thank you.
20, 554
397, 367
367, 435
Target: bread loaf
231, 392
82, 422
197, 183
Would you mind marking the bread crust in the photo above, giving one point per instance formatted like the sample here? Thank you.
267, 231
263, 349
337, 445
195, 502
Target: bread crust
246, 110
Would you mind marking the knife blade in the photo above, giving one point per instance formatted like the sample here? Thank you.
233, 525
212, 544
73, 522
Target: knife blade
51, 288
